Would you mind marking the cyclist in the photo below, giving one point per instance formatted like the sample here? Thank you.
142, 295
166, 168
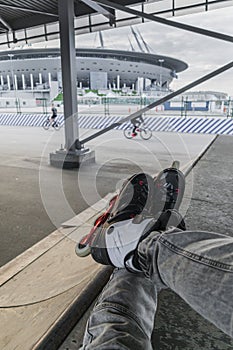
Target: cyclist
53, 116
136, 124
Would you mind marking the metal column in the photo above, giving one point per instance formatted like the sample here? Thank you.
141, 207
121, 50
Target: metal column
68, 64
74, 152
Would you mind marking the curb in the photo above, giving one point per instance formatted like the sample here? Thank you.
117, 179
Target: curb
200, 156
56, 334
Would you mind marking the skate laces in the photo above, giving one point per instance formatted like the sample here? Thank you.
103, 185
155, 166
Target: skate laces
133, 199
169, 189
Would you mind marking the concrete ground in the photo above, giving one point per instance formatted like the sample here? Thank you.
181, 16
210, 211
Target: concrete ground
36, 198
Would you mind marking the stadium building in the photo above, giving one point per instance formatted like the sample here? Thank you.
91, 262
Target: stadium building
97, 68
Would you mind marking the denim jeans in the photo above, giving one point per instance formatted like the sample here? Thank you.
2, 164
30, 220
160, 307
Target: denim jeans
197, 265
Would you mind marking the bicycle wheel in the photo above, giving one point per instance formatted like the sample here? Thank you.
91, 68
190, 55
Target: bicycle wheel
146, 134
46, 124
56, 125
128, 133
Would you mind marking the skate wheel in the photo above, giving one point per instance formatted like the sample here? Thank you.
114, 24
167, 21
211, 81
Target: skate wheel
82, 250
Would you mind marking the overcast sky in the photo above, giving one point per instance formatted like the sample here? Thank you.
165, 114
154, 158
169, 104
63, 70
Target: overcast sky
202, 54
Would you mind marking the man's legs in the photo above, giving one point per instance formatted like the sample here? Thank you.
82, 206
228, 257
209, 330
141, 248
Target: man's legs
123, 316
198, 266
52, 121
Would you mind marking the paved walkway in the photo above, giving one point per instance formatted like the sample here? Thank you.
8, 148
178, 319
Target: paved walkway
40, 285
37, 198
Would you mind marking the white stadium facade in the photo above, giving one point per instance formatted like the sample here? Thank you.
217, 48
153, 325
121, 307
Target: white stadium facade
97, 68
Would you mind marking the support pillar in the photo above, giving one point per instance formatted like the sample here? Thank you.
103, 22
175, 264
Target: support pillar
15, 82
118, 82
8, 82
32, 81
68, 64
40, 79
73, 155
23, 82
49, 79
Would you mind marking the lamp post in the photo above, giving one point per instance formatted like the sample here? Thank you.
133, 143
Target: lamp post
10, 55
161, 60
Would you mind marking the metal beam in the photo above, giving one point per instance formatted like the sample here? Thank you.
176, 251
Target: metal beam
160, 101
172, 23
136, 38
99, 9
27, 9
6, 25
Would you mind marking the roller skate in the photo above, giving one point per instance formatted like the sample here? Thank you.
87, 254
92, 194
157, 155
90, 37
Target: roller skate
169, 188
132, 200
141, 199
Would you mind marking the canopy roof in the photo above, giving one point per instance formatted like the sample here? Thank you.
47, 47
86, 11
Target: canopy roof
21, 14
19, 17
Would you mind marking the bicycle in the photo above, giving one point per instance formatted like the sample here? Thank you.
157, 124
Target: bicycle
144, 132
47, 123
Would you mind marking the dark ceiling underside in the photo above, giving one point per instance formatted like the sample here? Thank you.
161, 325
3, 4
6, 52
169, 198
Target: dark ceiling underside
20, 14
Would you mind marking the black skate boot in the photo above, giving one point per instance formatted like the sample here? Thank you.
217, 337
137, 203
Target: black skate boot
135, 197
169, 190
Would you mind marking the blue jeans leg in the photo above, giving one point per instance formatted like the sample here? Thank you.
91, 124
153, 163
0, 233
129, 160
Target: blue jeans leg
123, 316
198, 266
